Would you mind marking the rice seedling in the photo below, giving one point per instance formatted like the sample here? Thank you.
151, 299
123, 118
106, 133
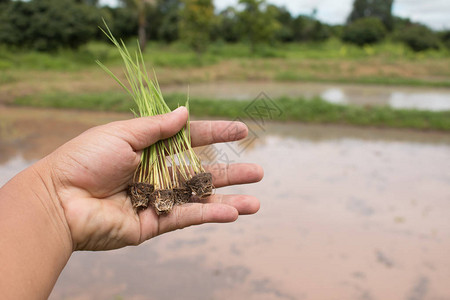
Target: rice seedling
169, 173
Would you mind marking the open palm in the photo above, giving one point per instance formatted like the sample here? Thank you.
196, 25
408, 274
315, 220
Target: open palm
91, 174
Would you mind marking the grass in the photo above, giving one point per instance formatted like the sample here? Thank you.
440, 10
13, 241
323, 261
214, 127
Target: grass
157, 54
7, 78
330, 61
63, 60
106, 101
308, 111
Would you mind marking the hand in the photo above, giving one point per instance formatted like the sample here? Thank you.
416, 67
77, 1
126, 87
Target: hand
90, 175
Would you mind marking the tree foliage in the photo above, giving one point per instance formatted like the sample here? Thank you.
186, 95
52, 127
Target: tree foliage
88, 2
286, 22
196, 22
445, 37
258, 23
364, 31
306, 28
161, 19
381, 9
142, 8
418, 37
123, 21
47, 25
226, 27
168, 12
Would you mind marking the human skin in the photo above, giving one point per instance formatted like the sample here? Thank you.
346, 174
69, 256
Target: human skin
75, 199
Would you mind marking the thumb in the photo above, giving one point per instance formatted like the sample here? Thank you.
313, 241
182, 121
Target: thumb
143, 132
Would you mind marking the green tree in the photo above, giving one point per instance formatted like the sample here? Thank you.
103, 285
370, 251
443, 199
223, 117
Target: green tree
418, 37
364, 31
122, 21
227, 26
3, 3
307, 28
445, 38
196, 22
286, 21
381, 9
47, 25
141, 7
168, 14
401, 23
88, 2
258, 23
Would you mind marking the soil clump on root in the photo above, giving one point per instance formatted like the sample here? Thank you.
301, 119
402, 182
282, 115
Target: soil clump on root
182, 194
163, 201
144, 195
201, 185
140, 194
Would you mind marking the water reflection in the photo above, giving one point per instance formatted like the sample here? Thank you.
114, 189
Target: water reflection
34, 133
423, 101
397, 97
334, 95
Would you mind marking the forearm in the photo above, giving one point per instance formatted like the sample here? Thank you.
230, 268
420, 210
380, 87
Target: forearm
35, 242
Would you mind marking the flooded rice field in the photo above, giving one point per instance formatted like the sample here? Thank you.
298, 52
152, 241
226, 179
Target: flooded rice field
397, 97
346, 213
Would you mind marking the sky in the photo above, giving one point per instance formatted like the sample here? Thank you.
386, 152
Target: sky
434, 13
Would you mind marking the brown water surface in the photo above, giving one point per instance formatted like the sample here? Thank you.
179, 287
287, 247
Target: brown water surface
346, 213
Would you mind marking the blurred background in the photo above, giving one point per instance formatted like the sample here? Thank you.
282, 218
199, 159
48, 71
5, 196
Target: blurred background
348, 105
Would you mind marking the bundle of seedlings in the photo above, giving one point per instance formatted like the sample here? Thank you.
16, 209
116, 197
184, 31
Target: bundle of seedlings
169, 173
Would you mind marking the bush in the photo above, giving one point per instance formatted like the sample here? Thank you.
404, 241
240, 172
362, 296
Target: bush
364, 31
309, 29
46, 25
124, 22
418, 37
445, 38
226, 27
166, 20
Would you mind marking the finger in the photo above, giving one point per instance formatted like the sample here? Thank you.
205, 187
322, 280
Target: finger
231, 174
245, 205
143, 132
195, 214
209, 132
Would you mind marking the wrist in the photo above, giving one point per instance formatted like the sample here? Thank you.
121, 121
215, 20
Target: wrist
35, 239
45, 188
34, 191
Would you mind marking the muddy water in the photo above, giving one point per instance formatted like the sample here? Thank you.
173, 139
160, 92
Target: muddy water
396, 97
346, 214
